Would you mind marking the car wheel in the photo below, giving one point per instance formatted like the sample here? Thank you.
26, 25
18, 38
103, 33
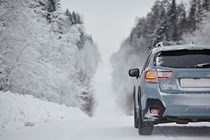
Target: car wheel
144, 127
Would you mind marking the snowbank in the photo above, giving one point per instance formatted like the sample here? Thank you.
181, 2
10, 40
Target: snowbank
18, 111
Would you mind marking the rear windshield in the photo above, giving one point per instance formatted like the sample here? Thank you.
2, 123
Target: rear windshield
184, 59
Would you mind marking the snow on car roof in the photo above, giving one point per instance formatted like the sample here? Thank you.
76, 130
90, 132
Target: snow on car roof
181, 47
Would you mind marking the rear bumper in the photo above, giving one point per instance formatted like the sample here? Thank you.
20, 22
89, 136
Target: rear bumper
186, 105
192, 107
176, 113
187, 111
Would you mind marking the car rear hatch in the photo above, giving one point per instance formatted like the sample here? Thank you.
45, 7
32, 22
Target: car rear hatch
183, 71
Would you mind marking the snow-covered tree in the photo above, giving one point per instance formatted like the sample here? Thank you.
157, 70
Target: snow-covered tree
148, 29
161, 30
196, 15
202, 35
182, 21
206, 5
43, 58
171, 27
52, 6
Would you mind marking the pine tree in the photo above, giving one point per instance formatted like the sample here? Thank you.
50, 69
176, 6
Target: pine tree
182, 21
69, 15
73, 17
67, 12
200, 11
160, 32
76, 19
51, 7
138, 32
154, 20
87, 101
196, 15
171, 31
206, 5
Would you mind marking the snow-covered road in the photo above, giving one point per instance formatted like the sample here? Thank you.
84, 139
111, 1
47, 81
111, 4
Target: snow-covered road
108, 128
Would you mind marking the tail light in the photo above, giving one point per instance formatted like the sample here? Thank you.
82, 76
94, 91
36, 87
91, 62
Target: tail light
152, 75
164, 74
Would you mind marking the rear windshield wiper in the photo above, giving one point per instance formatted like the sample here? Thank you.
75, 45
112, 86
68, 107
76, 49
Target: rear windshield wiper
202, 65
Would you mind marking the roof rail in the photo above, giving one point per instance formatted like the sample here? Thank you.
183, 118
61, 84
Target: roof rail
160, 44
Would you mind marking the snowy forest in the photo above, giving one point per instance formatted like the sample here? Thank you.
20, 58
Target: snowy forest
46, 53
168, 22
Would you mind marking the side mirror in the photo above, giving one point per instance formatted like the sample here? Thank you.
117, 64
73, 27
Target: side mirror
134, 72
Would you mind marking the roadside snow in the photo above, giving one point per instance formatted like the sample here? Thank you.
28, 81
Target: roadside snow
23, 111
19, 111
108, 128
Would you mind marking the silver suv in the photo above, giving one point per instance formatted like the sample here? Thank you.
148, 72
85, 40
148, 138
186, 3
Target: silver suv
173, 86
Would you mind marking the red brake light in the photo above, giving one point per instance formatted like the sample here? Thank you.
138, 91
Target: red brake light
164, 74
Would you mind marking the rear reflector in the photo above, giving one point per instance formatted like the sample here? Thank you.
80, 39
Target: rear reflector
155, 111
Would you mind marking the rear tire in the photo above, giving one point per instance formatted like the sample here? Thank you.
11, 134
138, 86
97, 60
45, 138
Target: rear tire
144, 127
136, 119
